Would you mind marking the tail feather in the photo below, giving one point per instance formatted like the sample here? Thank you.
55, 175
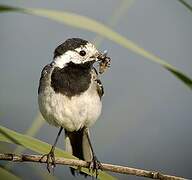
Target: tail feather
87, 153
77, 143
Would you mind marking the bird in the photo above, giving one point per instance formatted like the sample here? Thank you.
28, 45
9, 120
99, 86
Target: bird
69, 97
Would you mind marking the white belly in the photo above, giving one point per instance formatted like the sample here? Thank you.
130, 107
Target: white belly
71, 113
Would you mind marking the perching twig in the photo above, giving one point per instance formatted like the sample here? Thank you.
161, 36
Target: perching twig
105, 167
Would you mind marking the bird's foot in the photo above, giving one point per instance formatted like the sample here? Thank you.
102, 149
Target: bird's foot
95, 166
50, 160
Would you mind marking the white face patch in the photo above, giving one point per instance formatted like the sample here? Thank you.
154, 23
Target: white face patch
75, 57
69, 56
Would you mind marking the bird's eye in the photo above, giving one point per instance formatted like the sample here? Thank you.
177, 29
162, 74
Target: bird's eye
82, 53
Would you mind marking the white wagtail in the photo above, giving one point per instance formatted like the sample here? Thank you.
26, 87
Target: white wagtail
69, 97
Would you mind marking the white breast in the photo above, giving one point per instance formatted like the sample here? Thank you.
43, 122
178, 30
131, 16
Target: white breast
71, 113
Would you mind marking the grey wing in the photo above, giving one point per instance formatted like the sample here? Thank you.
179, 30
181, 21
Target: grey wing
99, 86
45, 77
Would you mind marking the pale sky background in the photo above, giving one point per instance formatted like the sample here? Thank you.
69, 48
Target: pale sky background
147, 113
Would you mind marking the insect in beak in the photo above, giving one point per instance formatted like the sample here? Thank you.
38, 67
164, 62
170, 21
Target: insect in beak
104, 63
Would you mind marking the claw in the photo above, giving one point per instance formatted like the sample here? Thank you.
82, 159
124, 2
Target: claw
50, 160
95, 165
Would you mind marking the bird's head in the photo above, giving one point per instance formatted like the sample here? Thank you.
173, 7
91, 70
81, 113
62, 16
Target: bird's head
77, 51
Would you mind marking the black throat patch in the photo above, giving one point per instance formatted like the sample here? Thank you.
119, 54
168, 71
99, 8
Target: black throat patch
71, 80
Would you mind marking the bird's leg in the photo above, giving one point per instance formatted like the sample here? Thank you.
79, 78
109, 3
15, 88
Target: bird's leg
95, 165
51, 156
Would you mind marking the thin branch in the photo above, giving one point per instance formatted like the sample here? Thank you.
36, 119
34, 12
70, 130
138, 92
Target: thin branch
106, 167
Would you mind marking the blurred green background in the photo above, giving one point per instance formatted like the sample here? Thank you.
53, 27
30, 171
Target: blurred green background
147, 113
